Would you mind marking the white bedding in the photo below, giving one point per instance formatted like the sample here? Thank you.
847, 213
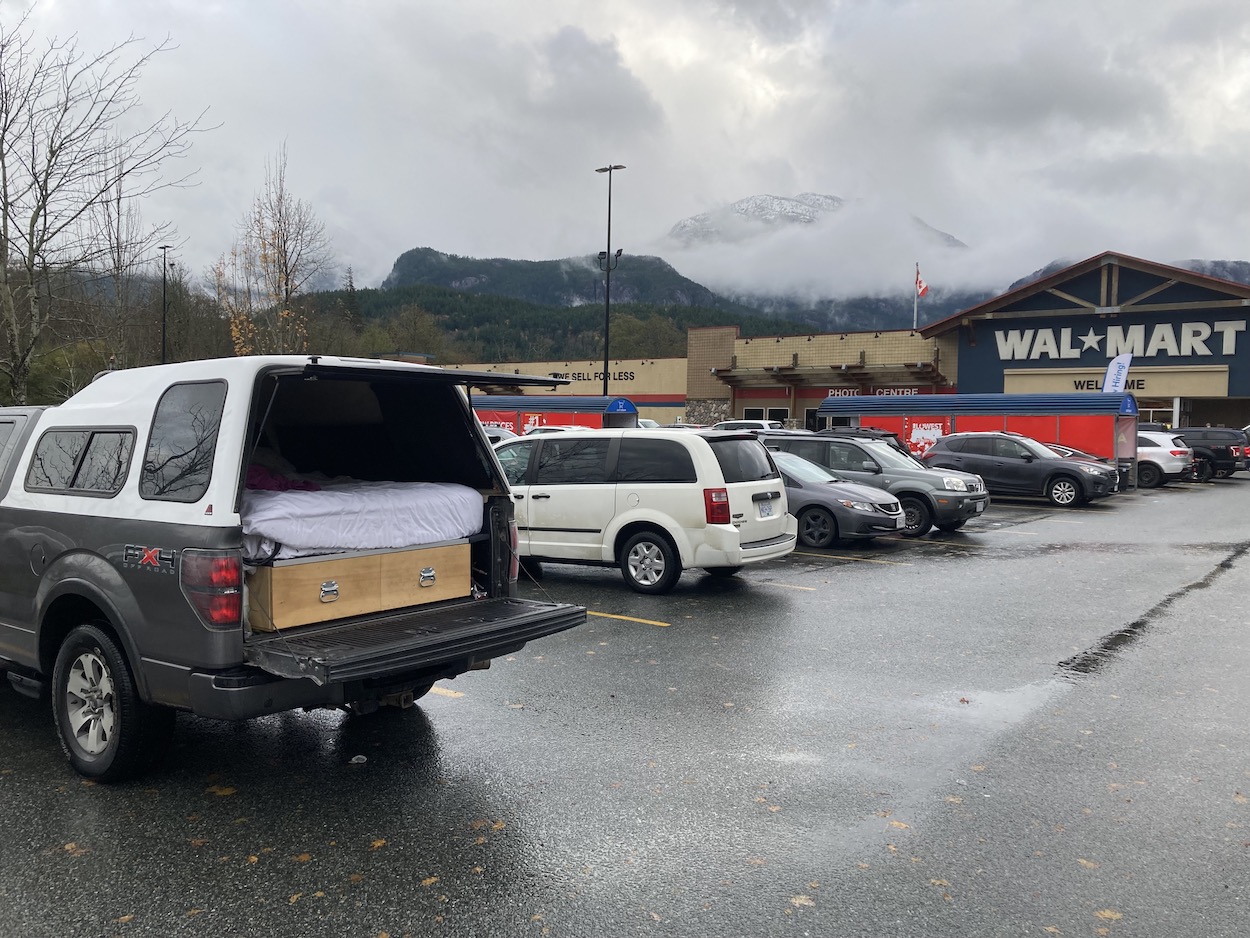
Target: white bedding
356, 516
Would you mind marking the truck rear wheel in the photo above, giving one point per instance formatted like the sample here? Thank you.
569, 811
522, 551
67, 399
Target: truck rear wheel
107, 732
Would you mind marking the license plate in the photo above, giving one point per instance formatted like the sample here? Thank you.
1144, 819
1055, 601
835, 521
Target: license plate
980, 506
766, 509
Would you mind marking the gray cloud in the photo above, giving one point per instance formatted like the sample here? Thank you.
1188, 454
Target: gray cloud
1028, 130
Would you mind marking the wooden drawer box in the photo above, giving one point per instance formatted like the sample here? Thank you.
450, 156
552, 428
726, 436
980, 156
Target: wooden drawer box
317, 589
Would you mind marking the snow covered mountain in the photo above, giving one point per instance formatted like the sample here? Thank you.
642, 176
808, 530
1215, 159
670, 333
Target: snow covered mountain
759, 215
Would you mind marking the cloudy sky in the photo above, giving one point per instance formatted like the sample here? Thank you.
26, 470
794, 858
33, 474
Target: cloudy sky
1030, 131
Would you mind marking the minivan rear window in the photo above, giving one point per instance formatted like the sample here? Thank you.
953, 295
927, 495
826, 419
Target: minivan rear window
743, 460
654, 461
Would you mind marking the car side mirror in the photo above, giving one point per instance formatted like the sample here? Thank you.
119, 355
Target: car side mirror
1028, 457
869, 466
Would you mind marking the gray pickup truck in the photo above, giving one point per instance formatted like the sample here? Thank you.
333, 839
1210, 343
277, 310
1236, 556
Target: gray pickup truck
239, 537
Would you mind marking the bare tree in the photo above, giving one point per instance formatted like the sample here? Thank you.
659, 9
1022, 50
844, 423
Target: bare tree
282, 247
67, 150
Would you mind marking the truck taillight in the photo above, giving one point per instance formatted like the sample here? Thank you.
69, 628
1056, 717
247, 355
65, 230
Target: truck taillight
212, 582
716, 505
514, 558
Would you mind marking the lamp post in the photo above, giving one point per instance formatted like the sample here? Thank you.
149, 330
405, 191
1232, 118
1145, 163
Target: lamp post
607, 263
164, 249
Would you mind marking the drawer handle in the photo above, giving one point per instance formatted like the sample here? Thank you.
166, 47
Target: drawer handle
329, 591
427, 576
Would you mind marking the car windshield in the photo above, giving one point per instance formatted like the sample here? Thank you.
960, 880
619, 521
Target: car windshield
888, 455
802, 469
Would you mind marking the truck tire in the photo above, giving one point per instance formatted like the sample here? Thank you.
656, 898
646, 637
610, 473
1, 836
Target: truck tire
917, 516
108, 733
649, 563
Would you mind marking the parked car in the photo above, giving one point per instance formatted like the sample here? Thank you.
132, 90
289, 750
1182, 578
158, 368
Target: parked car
555, 428
749, 425
829, 508
1218, 451
647, 423
651, 502
929, 497
1162, 457
495, 434
1013, 464
1071, 452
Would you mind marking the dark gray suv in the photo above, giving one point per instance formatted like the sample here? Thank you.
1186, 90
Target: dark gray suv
930, 498
1012, 464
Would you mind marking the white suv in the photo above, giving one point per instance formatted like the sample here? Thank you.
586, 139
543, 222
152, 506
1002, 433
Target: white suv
1162, 456
652, 502
744, 424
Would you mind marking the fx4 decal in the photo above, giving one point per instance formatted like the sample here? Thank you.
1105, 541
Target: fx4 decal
150, 559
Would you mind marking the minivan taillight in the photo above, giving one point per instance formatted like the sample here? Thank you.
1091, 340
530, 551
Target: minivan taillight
212, 581
716, 505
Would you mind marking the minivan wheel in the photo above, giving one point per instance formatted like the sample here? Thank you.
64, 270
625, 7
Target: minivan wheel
1148, 475
917, 517
649, 563
818, 528
107, 732
1063, 491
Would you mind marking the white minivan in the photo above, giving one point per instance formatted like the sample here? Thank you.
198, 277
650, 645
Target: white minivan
653, 502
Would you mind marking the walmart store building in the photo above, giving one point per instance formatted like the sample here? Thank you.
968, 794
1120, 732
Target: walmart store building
1187, 334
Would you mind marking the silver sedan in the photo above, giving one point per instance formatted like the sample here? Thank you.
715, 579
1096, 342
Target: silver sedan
830, 509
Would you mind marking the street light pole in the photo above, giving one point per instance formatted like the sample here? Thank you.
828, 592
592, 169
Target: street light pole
164, 249
607, 263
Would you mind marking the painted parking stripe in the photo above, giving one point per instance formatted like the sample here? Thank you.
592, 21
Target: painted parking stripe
608, 615
893, 563
791, 586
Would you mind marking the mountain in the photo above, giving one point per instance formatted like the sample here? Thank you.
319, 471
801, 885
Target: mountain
760, 215
570, 281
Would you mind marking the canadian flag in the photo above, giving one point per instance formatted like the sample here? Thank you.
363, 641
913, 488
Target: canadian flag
921, 287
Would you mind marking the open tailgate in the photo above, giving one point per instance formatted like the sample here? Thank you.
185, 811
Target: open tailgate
377, 646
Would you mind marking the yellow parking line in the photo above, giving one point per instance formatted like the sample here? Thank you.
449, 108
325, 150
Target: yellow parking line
894, 563
608, 615
445, 692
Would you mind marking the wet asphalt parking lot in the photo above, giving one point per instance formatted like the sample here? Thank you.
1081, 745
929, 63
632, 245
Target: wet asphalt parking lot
1035, 726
